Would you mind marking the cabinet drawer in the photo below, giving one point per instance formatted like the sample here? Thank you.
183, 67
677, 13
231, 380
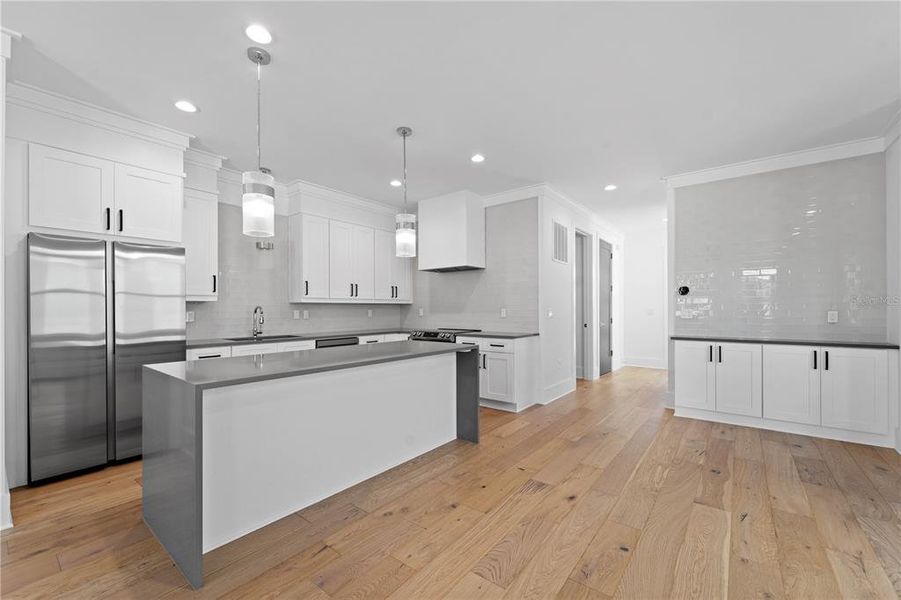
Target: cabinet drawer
371, 339
254, 349
496, 345
207, 353
296, 346
396, 337
469, 341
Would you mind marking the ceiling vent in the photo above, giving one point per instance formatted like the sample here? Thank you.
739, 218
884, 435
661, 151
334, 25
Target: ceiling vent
452, 233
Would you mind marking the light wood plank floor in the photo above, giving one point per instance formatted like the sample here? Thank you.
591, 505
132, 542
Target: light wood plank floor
602, 494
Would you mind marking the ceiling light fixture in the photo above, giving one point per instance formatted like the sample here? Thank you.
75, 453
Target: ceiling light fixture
396, 183
185, 106
609, 187
258, 198
405, 222
477, 158
258, 33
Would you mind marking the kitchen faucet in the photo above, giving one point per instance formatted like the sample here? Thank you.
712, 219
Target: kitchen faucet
257, 321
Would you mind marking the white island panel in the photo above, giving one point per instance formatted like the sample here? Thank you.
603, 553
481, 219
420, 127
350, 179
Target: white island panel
316, 435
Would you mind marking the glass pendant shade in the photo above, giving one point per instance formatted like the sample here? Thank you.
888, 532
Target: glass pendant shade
258, 203
405, 235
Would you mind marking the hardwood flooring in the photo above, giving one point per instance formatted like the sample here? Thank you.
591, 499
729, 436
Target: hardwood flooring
602, 494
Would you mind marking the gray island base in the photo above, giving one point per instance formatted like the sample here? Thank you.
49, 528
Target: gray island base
234, 444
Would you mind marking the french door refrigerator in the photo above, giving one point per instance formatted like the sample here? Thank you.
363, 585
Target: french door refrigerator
97, 312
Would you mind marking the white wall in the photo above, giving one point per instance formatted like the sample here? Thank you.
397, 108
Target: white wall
645, 297
5, 513
893, 244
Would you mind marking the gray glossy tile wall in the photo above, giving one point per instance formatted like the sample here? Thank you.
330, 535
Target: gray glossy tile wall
251, 277
770, 254
475, 298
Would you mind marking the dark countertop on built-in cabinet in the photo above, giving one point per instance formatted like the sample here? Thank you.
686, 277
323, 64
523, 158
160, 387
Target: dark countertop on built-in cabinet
223, 372
785, 342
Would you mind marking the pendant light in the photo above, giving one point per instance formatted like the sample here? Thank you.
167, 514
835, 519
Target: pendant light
405, 222
258, 199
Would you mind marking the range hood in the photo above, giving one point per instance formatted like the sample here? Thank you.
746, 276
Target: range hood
452, 233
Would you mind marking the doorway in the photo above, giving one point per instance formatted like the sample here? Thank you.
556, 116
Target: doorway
605, 306
583, 306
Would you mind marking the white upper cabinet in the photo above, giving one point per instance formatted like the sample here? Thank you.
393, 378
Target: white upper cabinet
739, 379
791, 383
310, 258
855, 389
695, 371
341, 267
393, 275
85, 194
148, 204
69, 190
201, 241
363, 249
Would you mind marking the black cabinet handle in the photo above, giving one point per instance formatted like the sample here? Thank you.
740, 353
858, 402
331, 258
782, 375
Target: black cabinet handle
108, 210
214, 284
351, 290
720, 351
496, 345
710, 353
484, 365
306, 287
209, 356
826, 360
814, 360
356, 290
121, 219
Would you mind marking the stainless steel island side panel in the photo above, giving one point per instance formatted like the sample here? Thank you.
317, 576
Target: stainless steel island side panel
67, 349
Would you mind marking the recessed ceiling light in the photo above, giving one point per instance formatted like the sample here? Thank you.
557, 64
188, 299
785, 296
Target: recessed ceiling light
609, 187
477, 158
258, 33
396, 183
185, 106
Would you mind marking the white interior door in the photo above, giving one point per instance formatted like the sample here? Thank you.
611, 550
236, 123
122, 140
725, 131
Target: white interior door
855, 389
739, 379
791, 383
695, 375
581, 320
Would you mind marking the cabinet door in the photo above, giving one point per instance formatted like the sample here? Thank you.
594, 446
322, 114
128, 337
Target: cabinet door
148, 204
340, 256
855, 389
208, 353
254, 349
383, 268
496, 381
295, 346
739, 379
69, 191
791, 383
695, 375
315, 270
403, 279
201, 241
363, 262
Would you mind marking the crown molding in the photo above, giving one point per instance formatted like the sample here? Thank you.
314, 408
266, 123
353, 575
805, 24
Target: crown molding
302, 188
892, 130
780, 161
6, 42
35, 98
204, 158
514, 195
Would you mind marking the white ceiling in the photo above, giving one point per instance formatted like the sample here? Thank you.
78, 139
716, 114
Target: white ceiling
578, 94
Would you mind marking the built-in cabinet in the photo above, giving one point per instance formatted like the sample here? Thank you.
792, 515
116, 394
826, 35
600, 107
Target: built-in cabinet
201, 242
506, 368
269, 348
85, 194
337, 261
832, 391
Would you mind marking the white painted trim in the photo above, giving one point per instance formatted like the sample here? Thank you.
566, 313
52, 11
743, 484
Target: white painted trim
306, 188
892, 130
872, 439
204, 158
515, 195
780, 161
558, 390
646, 363
34, 98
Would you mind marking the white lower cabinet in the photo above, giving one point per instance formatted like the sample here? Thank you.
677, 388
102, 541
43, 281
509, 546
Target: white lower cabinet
208, 353
854, 386
833, 391
507, 370
496, 378
295, 346
371, 339
395, 337
791, 383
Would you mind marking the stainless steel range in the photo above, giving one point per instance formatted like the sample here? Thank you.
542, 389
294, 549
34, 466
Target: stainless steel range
442, 334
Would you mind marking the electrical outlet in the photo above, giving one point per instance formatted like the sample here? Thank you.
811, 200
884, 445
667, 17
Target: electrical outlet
189, 316
369, 313
832, 316
306, 315
296, 314
503, 313
550, 314
421, 312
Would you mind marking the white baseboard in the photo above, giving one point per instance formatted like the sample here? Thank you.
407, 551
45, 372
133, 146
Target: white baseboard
558, 390
648, 363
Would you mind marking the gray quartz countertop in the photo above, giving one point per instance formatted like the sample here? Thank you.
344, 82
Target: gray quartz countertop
275, 338
249, 369
501, 335
783, 341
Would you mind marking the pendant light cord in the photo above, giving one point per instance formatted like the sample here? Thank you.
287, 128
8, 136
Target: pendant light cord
259, 95
405, 172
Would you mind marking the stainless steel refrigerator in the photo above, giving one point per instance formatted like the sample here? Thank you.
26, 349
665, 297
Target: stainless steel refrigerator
97, 312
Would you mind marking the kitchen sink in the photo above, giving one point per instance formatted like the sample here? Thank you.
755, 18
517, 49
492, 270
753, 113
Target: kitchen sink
261, 338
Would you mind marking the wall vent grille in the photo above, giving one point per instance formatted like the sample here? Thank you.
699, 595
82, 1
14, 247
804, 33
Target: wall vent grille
561, 246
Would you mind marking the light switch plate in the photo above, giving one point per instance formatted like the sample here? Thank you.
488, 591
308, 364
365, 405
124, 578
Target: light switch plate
832, 316
503, 313
369, 313
421, 312
189, 316
550, 314
306, 314
296, 314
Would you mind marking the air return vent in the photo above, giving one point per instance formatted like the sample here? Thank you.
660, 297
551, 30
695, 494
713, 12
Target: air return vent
561, 248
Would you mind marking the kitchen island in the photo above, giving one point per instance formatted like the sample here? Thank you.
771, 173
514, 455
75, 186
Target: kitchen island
234, 444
